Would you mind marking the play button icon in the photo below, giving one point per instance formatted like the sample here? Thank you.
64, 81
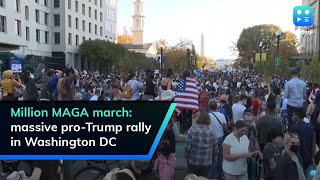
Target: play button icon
298, 19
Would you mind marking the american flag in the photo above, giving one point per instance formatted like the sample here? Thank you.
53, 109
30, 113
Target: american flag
187, 95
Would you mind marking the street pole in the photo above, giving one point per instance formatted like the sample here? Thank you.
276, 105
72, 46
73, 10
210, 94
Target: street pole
260, 50
260, 60
278, 34
161, 60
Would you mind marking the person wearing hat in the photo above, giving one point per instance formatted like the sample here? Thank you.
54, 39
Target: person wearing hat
295, 92
8, 84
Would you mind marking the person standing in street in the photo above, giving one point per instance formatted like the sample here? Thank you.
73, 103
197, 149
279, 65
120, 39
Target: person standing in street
295, 92
218, 124
201, 146
239, 108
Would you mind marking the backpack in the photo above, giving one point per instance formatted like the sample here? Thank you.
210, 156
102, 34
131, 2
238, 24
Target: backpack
61, 87
112, 175
127, 91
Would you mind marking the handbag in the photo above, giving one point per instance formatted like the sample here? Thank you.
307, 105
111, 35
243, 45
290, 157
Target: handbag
226, 131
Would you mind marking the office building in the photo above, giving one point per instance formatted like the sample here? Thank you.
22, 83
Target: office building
55, 28
310, 36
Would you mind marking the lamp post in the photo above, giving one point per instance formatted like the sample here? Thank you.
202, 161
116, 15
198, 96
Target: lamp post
161, 60
193, 56
277, 61
260, 50
278, 34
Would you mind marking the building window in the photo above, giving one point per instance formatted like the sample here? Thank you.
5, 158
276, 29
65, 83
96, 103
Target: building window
77, 6
18, 5
2, 3
83, 39
26, 12
3, 24
77, 40
89, 27
101, 17
56, 19
95, 29
38, 35
46, 18
90, 12
83, 26
37, 16
18, 27
69, 4
101, 4
69, 39
95, 14
96, 2
77, 23
69, 21
56, 3
27, 33
46, 3
83, 9
101, 31
37, 1
56, 38
89, 39
46, 37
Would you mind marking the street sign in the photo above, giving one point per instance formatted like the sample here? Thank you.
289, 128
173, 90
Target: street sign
277, 61
263, 57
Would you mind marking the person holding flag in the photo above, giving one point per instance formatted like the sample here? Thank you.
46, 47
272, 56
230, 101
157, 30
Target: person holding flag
186, 100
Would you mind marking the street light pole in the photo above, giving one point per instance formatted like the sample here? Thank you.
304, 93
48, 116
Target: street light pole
260, 50
161, 60
278, 34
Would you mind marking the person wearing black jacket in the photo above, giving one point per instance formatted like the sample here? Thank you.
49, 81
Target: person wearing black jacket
149, 91
31, 92
289, 166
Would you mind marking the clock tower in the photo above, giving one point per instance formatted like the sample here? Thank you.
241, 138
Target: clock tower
138, 23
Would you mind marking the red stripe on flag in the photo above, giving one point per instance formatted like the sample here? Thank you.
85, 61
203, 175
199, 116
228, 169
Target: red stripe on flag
188, 100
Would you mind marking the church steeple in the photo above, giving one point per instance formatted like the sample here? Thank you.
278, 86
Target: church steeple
138, 23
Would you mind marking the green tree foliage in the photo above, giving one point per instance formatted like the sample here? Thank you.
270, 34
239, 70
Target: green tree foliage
103, 54
250, 38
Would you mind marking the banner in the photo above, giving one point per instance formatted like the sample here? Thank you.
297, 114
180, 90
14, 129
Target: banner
82, 130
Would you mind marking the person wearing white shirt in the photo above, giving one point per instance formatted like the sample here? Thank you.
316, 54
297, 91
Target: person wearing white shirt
96, 95
218, 122
239, 108
235, 153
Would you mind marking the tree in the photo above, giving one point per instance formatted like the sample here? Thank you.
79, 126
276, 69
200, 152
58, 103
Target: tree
249, 41
161, 42
204, 62
125, 38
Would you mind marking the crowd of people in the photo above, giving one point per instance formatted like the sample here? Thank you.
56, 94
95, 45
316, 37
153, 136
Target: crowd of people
234, 122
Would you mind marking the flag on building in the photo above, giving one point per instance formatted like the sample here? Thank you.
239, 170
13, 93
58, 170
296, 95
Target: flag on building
187, 95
